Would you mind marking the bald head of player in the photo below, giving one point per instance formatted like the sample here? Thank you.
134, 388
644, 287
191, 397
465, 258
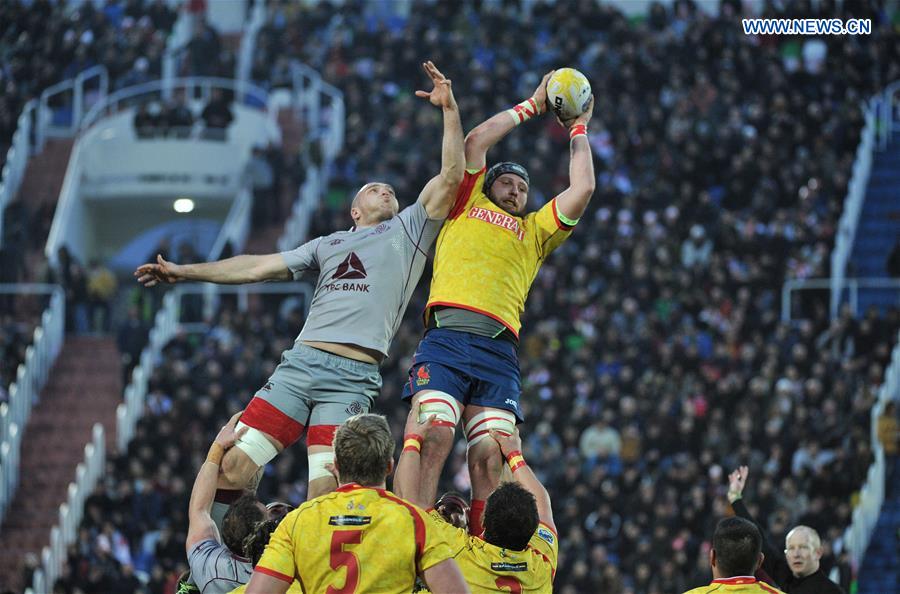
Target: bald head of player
736, 549
374, 203
803, 550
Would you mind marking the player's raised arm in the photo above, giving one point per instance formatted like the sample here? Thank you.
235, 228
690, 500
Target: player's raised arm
200, 523
575, 198
488, 133
232, 271
407, 477
440, 191
511, 447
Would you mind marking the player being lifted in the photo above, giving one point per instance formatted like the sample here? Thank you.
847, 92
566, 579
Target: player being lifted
366, 277
487, 255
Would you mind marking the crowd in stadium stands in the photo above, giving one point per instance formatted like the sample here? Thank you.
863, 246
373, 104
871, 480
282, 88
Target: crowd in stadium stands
652, 355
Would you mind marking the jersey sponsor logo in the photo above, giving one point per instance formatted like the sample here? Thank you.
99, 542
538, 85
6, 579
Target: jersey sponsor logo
499, 219
545, 534
512, 403
423, 376
349, 520
351, 267
504, 566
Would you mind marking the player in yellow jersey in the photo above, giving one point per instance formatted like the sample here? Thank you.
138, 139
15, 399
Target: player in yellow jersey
359, 538
520, 548
487, 255
735, 556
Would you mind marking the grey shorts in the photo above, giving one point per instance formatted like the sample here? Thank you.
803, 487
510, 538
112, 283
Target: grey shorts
315, 390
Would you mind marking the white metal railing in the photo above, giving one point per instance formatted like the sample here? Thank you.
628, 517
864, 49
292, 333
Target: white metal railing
16, 159
890, 114
61, 227
234, 231
164, 328
70, 512
30, 379
248, 43
852, 285
176, 46
321, 106
76, 86
853, 203
203, 85
865, 516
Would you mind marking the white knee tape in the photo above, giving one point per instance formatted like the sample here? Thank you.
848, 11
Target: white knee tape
479, 426
317, 464
443, 406
256, 445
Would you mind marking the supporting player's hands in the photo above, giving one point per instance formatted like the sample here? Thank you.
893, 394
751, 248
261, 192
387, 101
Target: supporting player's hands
736, 482
582, 119
540, 93
227, 435
151, 275
442, 93
414, 425
508, 443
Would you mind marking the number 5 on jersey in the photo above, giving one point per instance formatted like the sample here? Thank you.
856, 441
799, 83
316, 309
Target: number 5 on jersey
341, 558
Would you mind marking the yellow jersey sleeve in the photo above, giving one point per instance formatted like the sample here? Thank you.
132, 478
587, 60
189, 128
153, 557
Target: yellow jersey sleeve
436, 547
546, 543
550, 228
278, 558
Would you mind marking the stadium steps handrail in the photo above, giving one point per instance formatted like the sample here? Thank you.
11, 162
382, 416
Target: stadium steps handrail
45, 126
247, 49
857, 536
852, 285
853, 203
16, 159
31, 376
889, 120
62, 534
310, 92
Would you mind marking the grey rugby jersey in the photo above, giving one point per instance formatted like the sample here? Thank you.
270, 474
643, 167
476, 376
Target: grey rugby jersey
366, 278
215, 569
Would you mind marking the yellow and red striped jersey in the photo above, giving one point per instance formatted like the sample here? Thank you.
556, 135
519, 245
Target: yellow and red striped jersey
353, 540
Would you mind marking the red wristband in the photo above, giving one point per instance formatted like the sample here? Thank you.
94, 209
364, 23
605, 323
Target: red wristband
412, 443
577, 130
515, 460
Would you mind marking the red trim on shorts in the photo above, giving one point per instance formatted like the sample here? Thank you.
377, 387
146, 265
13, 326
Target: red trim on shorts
464, 193
275, 574
320, 435
264, 417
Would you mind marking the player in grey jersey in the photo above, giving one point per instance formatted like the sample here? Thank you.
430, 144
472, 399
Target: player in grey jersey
366, 277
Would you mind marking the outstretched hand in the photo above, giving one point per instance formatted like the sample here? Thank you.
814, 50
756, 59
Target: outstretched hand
582, 119
151, 275
442, 93
736, 482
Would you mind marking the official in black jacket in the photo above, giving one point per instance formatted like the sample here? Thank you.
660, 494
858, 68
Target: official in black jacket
796, 569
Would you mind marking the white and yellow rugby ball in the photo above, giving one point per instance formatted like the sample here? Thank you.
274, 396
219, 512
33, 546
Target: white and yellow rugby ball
568, 93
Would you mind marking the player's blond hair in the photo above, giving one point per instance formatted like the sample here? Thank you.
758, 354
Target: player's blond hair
364, 449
